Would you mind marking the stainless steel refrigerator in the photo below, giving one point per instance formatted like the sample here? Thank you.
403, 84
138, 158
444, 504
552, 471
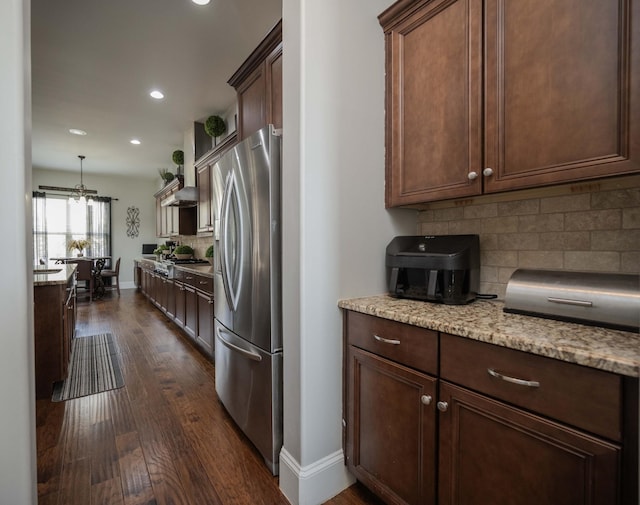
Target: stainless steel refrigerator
247, 289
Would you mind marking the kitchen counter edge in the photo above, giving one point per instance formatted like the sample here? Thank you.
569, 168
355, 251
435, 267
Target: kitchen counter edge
596, 347
45, 278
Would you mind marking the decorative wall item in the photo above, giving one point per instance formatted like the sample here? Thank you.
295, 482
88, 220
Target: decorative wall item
133, 222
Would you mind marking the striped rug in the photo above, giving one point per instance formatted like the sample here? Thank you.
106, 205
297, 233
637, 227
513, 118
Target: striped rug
94, 367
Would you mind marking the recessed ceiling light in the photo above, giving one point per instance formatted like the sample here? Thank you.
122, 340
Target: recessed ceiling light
158, 95
75, 131
135, 142
200, 2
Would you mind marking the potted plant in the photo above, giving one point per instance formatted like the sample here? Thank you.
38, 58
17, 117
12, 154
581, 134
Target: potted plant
166, 176
215, 126
161, 250
209, 254
178, 157
183, 252
79, 245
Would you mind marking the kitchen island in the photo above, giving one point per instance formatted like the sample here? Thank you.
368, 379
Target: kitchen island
445, 403
54, 309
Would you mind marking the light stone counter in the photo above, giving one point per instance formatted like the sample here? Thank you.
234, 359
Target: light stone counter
605, 349
50, 275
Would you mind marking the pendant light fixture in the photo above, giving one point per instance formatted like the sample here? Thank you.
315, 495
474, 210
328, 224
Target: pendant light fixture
80, 191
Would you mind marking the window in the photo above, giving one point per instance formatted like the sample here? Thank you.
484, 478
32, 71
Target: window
57, 220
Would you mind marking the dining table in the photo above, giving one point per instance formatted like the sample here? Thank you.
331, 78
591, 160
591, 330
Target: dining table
98, 263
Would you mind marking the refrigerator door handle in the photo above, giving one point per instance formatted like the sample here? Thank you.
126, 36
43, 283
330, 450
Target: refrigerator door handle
227, 255
247, 354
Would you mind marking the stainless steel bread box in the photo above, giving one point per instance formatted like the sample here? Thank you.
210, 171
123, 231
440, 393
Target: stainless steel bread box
601, 299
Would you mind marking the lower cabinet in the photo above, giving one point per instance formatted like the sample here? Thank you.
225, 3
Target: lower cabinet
508, 455
470, 422
186, 299
54, 311
392, 422
191, 311
204, 334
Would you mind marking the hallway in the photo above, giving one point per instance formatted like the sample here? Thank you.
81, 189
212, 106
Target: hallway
163, 438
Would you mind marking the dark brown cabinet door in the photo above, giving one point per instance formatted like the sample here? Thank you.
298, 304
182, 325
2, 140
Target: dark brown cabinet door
191, 311
391, 428
203, 182
179, 291
274, 87
560, 88
492, 453
433, 101
205, 321
170, 308
251, 103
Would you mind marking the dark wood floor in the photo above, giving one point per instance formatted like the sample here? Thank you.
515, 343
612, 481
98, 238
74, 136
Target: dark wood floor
161, 439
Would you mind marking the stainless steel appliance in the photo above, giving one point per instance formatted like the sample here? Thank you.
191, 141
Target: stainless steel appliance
434, 268
166, 266
601, 299
247, 284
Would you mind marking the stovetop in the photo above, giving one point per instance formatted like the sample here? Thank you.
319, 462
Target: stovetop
176, 261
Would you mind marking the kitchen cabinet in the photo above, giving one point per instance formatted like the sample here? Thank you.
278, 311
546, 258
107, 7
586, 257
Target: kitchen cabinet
390, 408
205, 183
204, 334
489, 96
180, 314
187, 299
258, 84
478, 419
173, 221
494, 443
54, 305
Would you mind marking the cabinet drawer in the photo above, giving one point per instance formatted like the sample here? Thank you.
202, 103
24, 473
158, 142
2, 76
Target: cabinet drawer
409, 345
580, 396
201, 282
204, 283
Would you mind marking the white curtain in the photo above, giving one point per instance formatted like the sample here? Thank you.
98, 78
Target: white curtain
57, 220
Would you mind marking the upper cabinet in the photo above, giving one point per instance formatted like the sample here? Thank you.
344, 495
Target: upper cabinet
205, 183
258, 83
489, 96
173, 221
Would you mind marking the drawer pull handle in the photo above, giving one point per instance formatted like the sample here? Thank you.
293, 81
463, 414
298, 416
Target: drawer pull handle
202, 283
386, 340
513, 380
426, 399
442, 406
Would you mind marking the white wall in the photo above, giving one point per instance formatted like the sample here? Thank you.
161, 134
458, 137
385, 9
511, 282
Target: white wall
130, 192
17, 415
335, 227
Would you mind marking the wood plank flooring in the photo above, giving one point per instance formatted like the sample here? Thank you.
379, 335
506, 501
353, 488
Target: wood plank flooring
162, 439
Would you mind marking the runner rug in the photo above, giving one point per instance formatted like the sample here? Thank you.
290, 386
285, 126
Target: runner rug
94, 367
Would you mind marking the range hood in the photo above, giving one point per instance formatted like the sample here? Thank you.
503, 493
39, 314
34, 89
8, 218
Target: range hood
185, 197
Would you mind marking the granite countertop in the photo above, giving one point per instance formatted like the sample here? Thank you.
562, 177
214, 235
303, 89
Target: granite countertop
198, 268
50, 275
610, 350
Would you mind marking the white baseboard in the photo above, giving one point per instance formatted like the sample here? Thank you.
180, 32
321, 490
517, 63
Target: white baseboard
127, 285
315, 483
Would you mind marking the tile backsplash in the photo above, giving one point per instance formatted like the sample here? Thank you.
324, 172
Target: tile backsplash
199, 243
591, 226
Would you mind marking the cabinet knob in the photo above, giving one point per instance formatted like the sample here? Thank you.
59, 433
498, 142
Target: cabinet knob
472, 175
442, 406
487, 172
426, 399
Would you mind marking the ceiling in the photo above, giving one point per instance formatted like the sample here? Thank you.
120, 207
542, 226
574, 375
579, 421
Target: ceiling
94, 63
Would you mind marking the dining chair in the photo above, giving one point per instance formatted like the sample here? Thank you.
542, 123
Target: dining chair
114, 275
85, 274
